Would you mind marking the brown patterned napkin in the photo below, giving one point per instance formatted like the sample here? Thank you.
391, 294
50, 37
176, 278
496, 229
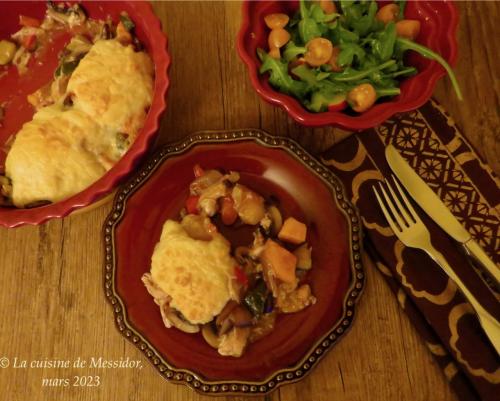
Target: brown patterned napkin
430, 141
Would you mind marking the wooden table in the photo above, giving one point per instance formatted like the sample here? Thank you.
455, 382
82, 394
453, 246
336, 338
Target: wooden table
52, 301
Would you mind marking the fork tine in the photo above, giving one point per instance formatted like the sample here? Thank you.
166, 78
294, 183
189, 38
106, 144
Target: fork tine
386, 213
407, 203
406, 217
392, 207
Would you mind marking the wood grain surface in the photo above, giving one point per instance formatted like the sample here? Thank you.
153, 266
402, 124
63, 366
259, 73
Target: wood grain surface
52, 303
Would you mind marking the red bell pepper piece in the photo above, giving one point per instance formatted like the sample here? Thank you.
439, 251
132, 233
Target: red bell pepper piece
228, 212
240, 275
29, 42
29, 21
198, 171
192, 204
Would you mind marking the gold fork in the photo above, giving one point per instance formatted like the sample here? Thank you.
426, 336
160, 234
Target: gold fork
412, 232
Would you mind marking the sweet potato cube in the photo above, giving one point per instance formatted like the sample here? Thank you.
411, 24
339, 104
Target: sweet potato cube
280, 261
293, 231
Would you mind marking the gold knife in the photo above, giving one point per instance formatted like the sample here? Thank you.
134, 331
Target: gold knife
437, 210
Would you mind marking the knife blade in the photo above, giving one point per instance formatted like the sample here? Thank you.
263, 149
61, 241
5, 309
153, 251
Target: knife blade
437, 210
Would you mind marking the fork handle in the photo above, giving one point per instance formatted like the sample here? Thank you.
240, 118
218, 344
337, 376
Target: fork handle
489, 324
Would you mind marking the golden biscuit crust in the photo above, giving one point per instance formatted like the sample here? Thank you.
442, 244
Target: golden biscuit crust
113, 84
196, 274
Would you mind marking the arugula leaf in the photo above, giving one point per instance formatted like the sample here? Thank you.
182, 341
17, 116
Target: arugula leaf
319, 15
339, 34
406, 44
383, 46
292, 50
279, 77
362, 24
402, 6
305, 74
346, 4
351, 74
348, 52
308, 29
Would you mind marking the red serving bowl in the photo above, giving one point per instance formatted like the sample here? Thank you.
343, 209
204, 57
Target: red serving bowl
14, 90
439, 20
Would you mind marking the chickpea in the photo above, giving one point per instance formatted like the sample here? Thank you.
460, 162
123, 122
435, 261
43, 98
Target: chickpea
274, 21
278, 38
319, 52
333, 60
362, 97
328, 6
388, 13
408, 28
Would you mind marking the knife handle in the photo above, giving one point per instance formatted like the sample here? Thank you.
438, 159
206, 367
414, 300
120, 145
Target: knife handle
490, 325
473, 249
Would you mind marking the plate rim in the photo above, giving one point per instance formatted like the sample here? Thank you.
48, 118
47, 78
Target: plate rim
319, 348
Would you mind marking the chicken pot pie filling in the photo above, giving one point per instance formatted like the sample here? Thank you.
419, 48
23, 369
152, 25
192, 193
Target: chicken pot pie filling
87, 117
232, 295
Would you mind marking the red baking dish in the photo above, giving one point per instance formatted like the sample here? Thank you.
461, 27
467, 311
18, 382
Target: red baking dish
14, 89
439, 21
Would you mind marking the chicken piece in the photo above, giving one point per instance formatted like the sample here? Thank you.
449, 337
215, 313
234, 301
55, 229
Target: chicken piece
169, 316
234, 342
248, 204
210, 195
296, 300
264, 326
156, 292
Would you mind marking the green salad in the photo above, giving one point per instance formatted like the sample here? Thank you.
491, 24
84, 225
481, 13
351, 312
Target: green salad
334, 55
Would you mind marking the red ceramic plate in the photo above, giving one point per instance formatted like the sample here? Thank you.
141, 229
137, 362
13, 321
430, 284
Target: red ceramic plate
306, 190
14, 90
439, 20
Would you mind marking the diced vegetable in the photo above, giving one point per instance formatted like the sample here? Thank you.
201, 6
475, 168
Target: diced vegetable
7, 51
280, 261
255, 299
240, 275
68, 67
192, 204
198, 227
29, 21
338, 102
276, 219
303, 255
228, 212
79, 45
126, 22
198, 171
293, 231
123, 35
29, 42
